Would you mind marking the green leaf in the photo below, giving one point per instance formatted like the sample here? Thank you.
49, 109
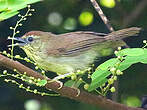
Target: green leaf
74, 83
131, 52
6, 15
31, 1
3, 5
19, 4
125, 64
95, 85
9, 8
98, 78
107, 64
42, 83
131, 56
129, 60
144, 57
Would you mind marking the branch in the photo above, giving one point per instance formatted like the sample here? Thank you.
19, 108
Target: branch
71, 93
102, 15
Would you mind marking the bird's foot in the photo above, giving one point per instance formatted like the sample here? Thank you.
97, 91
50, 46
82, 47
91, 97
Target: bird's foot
78, 92
60, 83
72, 75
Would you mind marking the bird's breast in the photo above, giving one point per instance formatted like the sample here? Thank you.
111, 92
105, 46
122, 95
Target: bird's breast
66, 64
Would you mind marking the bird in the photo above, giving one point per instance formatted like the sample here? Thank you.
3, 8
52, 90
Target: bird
69, 52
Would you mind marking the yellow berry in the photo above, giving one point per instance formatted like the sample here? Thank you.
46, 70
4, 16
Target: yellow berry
112, 89
115, 77
5, 72
17, 56
110, 81
86, 86
119, 48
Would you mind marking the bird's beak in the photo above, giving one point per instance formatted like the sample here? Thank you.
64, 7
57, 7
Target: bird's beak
21, 41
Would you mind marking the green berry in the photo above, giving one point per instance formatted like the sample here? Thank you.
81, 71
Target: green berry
35, 91
5, 72
113, 70
86, 86
17, 56
115, 78
118, 72
119, 48
112, 89
36, 67
111, 81
74, 77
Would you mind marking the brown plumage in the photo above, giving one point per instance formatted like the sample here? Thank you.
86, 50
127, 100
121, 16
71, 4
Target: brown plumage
69, 52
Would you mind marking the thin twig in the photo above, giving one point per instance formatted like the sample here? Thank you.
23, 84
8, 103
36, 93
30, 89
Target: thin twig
102, 15
15, 29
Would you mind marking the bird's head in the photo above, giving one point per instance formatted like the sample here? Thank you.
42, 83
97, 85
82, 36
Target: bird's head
32, 39
33, 42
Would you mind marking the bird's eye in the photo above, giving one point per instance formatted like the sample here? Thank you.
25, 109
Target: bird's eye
30, 39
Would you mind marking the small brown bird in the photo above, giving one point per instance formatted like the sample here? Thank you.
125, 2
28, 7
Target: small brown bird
67, 53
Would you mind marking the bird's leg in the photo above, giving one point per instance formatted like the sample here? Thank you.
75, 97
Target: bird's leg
64, 76
74, 85
53, 80
56, 79
78, 91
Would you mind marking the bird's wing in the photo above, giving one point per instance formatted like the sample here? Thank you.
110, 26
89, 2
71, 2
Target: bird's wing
75, 42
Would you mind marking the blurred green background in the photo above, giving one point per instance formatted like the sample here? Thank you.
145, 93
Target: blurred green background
61, 16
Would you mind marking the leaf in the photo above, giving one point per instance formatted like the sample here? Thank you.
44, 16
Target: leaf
42, 83
98, 78
131, 52
131, 56
144, 57
31, 1
19, 4
3, 5
6, 15
74, 83
108, 63
9, 8
129, 60
94, 85
125, 64
134, 55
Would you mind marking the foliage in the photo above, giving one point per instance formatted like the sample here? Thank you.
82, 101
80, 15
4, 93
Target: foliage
115, 66
9, 8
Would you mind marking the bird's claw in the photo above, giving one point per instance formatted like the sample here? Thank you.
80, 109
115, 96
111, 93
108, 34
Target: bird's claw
61, 84
78, 92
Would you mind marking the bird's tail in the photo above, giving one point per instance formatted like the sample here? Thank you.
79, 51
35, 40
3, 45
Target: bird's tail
121, 34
